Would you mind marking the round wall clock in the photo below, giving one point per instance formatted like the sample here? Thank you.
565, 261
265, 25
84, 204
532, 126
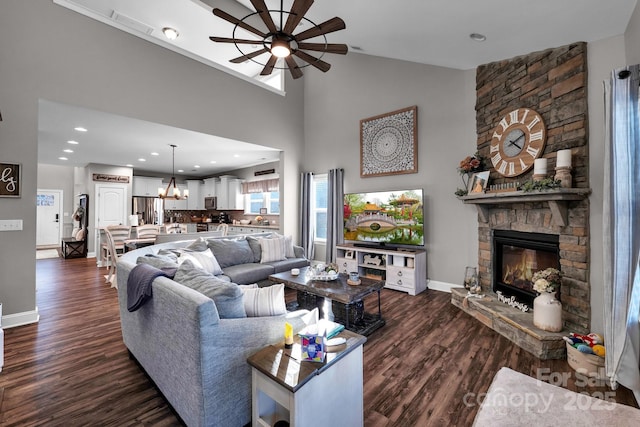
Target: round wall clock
517, 141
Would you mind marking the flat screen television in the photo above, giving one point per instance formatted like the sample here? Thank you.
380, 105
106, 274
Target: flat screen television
394, 218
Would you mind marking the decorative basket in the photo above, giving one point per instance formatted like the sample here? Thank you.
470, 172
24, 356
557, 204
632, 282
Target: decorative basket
587, 364
326, 277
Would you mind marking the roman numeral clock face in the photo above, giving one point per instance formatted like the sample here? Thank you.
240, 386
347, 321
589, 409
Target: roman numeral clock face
517, 141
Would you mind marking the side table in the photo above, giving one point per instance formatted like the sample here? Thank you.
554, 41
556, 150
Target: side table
308, 393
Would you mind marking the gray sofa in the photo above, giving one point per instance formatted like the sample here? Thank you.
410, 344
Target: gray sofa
195, 358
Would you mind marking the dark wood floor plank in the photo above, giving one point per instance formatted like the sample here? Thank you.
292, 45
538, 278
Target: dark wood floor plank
426, 367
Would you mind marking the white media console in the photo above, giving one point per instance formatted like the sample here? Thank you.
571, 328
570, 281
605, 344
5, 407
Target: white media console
401, 269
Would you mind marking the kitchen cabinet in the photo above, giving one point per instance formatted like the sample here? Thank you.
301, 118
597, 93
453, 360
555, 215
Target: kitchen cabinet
229, 193
209, 187
146, 186
196, 199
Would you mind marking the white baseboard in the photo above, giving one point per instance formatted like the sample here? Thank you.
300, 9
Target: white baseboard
20, 319
441, 286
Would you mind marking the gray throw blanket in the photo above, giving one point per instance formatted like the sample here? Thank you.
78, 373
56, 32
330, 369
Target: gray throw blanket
139, 284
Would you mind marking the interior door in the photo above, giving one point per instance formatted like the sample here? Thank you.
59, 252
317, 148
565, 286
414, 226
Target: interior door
112, 205
48, 217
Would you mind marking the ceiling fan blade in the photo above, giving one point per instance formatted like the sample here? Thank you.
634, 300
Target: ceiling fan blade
238, 41
263, 10
268, 68
340, 49
296, 72
333, 24
224, 15
318, 63
248, 56
298, 10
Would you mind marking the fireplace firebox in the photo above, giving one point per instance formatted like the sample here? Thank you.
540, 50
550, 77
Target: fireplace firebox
516, 256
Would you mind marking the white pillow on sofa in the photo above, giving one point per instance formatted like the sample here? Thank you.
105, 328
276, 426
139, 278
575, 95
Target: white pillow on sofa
267, 301
204, 260
273, 250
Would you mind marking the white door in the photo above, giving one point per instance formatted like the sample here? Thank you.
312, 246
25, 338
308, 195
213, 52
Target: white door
48, 217
111, 205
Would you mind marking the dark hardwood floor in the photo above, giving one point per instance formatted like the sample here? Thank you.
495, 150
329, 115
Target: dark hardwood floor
427, 367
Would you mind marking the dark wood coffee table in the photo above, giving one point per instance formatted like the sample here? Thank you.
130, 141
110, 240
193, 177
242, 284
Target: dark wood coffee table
345, 301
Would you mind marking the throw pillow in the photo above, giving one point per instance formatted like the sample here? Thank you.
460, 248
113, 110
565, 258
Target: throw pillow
74, 232
288, 247
198, 245
227, 296
272, 250
230, 252
267, 301
80, 234
157, 261
254, 244
204, 260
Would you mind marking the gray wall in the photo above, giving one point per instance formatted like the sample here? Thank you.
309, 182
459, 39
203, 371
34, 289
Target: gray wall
631, 37
65, 57
360, 86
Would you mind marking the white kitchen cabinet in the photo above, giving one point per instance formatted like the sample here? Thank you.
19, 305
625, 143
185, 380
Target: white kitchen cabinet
229, 193
401, 269
176, 205
209, 187
196, 199
146, 186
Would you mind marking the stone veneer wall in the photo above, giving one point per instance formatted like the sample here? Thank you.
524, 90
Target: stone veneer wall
554, 83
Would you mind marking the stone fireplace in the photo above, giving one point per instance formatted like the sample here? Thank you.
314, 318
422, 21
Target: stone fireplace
553, 83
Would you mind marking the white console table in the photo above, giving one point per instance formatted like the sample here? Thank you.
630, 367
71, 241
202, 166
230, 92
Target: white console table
401, 269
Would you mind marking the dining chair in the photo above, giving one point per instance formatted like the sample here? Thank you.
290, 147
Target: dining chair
147, 231
115, 235
224, 228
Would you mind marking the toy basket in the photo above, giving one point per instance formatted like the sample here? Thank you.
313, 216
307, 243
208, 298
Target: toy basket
587, 364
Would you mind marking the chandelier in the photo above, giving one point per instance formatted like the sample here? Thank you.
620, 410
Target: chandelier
172, 193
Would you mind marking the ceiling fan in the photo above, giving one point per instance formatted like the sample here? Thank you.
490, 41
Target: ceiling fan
279, 40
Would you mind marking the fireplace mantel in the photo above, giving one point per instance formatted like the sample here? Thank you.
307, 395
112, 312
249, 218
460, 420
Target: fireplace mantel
557, 200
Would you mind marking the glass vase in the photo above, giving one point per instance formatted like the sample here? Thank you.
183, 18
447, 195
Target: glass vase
470, 277
547, 312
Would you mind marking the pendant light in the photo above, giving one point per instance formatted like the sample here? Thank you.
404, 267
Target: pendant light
172, 193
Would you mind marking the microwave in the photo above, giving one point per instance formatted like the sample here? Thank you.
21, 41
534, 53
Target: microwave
211, 203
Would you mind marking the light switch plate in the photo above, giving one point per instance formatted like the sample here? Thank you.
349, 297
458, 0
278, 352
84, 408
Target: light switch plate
10, 224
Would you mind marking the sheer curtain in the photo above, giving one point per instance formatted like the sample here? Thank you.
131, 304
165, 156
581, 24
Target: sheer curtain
306, 223
621, 217
335, 211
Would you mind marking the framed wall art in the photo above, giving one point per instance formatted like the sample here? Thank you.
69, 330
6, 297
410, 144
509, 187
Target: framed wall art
478, 182
10, 179
389, 143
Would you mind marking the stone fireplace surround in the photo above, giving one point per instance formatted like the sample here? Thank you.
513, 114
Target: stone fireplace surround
553, 83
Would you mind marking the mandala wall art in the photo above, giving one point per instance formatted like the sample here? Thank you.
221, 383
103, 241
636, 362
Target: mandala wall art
389, 143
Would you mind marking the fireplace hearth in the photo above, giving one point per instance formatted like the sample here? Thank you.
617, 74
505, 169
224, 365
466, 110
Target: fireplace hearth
517, 256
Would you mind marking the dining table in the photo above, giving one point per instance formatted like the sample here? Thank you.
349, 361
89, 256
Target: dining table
133, 244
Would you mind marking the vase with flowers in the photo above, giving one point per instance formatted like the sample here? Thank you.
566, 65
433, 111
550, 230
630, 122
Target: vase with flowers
467, 167
547, 310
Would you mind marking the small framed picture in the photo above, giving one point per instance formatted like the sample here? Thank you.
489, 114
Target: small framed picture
348, 254
263, 211
10, 179
478, 182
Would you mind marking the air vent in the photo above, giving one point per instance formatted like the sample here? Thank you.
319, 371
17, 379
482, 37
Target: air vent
131, 23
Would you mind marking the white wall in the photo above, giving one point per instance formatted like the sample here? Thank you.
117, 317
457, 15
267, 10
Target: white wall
360, 86
49, 52
632, 38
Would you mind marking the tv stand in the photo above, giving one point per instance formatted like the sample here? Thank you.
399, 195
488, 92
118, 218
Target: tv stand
401, 269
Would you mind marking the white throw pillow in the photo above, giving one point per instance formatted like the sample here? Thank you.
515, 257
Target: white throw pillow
267, 301
204, 260
288, 245
80, 234
272, 250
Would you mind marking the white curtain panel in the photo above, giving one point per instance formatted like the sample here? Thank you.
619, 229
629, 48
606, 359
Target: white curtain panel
306, 230
621, 218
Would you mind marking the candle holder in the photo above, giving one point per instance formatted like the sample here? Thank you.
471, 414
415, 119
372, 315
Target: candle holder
539, 176
563, 174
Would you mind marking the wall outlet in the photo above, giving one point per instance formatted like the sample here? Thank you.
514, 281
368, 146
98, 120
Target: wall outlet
10, 224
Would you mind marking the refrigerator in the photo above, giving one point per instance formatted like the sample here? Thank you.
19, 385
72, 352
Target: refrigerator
148, 209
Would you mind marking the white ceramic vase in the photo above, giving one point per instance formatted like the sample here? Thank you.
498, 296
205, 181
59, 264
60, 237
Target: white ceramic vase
547, 312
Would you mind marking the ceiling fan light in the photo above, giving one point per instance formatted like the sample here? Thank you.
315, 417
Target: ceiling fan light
170, 33
280, 49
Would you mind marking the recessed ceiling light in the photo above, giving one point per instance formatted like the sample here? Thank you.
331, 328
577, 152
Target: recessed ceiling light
236, 155
356, 48
129, 165
62, 158
155, 154
142, 160
170, 33
180, 170
477, 37
213, 161
196, 166
80, 129
68, 150
73, 142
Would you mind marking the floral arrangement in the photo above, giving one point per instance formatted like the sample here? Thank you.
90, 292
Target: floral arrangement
542, 185
546, 280
468, 166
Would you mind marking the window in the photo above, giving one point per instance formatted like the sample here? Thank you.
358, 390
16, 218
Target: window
319, 207
254, 201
